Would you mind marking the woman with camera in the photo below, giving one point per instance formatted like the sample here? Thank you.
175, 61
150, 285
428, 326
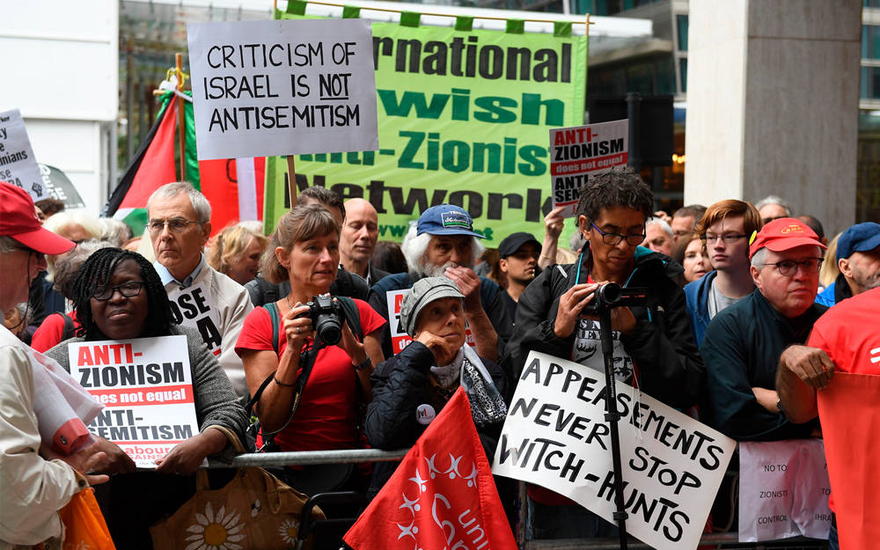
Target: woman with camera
278, 347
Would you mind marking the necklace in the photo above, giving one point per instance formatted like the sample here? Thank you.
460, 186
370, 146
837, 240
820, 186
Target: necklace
287, 299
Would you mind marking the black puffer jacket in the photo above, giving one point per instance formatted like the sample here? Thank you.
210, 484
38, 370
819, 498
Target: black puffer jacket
662, 345
400, 385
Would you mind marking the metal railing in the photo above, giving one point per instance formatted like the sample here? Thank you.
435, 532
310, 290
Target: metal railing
306, 458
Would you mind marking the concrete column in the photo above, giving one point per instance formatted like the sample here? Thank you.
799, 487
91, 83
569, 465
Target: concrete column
772, 104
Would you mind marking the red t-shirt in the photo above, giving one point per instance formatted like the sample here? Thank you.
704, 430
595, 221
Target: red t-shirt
50, 331
848, 334
326, 418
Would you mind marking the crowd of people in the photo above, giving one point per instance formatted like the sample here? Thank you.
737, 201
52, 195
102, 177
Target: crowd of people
734, 330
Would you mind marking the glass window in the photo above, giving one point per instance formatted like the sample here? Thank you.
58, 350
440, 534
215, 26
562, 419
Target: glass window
872, 3
870, 84
870, 41
683, 68
681, 22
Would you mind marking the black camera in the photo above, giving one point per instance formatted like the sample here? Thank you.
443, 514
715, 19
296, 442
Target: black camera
327, 317
611, 295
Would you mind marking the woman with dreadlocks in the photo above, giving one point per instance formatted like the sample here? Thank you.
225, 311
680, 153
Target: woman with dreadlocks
118, 296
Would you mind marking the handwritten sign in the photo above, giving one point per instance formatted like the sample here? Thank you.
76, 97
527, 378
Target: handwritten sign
18, 165
283, 87
578, 153
556, 436
145, 385
783, 490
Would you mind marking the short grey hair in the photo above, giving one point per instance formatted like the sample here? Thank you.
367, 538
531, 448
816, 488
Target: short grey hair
663, 225
8, 244
773, 199
58, 221
67, 265
759, 258
199, 203
116, 232
414, 247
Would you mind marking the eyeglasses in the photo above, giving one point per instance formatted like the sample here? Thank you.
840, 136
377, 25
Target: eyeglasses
613, 239
128, 290
786, 268
728, 238
175, 225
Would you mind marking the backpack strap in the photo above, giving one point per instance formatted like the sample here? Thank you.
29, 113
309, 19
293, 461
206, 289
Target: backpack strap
352, 315
69, 330
276, 322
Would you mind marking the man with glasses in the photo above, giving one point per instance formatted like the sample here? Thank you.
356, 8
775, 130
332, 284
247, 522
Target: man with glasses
201, 297
743, 343
654, 347
725, 230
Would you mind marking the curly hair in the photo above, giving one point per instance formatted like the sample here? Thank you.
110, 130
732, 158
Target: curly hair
623, 188
97, 271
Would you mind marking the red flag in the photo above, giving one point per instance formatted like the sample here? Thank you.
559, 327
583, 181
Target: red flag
234, 187
441, 496
156, 168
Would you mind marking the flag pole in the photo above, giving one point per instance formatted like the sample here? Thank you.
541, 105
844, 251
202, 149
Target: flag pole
181, 115
291, 180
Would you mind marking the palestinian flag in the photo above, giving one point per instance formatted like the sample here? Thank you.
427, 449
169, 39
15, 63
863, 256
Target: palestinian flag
234, 187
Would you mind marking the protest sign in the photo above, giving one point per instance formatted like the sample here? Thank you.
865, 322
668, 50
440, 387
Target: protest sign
576, 154
194, 307
556, 436
463, 119
282, 87
783, 490
849, 411
145, 385
399, 338
18, 165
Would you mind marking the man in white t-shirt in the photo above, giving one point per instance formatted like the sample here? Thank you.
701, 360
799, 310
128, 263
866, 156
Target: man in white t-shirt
725, 229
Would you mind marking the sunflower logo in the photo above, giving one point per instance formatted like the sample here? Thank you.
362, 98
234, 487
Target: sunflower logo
220, 531
288, 531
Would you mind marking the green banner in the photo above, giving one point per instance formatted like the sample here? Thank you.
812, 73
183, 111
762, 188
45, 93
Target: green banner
464, 118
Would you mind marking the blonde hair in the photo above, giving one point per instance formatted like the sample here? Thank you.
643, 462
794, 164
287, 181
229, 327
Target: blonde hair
300, 224
229, 244
829, 271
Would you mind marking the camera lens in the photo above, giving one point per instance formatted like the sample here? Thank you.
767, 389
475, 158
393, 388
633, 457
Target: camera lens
328, 328
610, 293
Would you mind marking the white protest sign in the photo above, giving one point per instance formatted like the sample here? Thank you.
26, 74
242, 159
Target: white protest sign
145, 385
194, 307
783, 490
399, 338
556, 436
580, 152
18, 165
265, 88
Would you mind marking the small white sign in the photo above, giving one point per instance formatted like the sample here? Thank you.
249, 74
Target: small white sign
145, 386
581, 152
18, 165
556, 436
783, 490
284, 87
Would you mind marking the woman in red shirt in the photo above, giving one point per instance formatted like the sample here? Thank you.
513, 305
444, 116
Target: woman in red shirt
304, 249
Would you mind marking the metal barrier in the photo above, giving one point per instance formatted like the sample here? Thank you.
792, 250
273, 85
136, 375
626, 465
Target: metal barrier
349, 456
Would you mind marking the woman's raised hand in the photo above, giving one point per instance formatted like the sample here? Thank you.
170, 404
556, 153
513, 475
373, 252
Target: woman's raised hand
298, 327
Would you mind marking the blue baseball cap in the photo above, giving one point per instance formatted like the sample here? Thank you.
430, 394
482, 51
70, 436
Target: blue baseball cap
861, 237
446, 219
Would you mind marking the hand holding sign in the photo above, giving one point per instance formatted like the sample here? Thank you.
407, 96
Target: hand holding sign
186, 457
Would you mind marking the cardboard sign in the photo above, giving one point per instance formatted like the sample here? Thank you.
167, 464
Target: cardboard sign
282, 87
783, 490
18, 165
399, 338
145, 385
578, 153
556, 436
194, 307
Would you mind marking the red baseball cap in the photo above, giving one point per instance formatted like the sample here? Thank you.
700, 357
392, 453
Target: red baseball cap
19, 221
783, 234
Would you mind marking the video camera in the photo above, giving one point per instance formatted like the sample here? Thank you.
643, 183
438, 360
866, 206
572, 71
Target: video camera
611, 295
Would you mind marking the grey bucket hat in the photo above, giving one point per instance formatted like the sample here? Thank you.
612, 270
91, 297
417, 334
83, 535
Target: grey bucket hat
423, 292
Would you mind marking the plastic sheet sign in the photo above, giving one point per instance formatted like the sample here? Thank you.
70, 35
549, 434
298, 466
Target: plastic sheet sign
578, 153
283, 87
783, 490
556, 436
145, 385
17, 162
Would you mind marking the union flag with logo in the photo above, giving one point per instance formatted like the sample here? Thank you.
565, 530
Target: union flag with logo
442, 494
